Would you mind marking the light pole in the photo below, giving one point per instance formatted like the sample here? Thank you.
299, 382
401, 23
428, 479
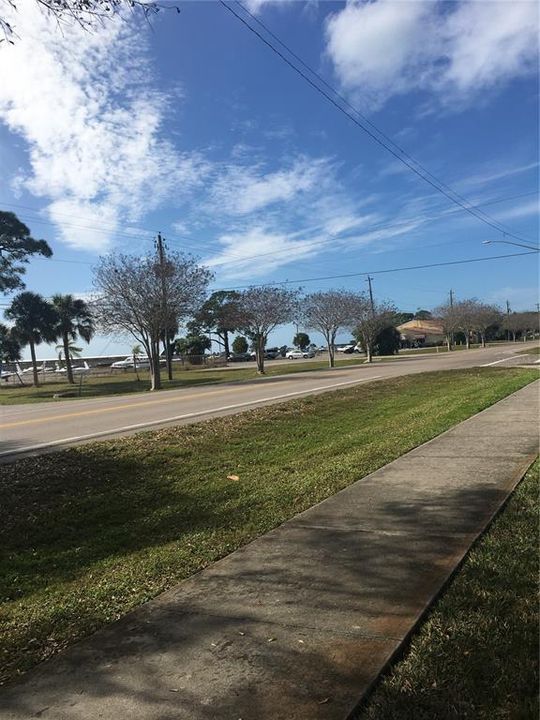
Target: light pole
510, 242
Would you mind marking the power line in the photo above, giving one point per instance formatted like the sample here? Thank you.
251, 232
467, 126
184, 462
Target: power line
355, 109
372, 272
380, 272
240, 259
384, 142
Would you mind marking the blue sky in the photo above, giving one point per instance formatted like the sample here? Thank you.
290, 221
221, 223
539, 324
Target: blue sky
192, 126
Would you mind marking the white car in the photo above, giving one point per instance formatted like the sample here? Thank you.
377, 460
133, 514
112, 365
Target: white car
299, 354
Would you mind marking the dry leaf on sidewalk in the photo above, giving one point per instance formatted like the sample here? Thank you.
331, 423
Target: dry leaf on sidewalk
233, 477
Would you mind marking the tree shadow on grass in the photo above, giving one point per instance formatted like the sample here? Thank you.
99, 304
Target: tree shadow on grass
294, 625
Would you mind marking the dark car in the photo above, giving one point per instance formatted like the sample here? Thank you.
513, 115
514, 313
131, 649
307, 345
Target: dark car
240, 357
269, 354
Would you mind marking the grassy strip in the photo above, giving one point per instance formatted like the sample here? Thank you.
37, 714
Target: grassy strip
477, 654
126, 382
90, 532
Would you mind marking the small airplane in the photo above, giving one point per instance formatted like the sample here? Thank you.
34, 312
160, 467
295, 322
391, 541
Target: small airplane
81, 370
6, 374
43, 369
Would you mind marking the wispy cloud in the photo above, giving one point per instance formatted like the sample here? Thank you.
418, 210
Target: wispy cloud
278, 216
498, 173
244, 189
257, 251
526, 209
86, 106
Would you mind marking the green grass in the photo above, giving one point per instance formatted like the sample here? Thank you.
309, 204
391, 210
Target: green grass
126, 382
88, 533
476, 656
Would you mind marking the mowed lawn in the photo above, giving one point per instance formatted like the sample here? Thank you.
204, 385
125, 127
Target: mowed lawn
90, 532
476, 656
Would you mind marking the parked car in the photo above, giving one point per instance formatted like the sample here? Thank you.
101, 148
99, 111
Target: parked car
269, 354
293, 354
240, 357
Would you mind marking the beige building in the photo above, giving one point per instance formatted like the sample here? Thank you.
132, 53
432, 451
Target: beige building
421, 332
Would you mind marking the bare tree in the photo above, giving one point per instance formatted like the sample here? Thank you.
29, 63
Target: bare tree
513, 323
522, 322
369, 319
448, 317
140, 295
87, 14
262, 310
328, 313
531, 323
483, 317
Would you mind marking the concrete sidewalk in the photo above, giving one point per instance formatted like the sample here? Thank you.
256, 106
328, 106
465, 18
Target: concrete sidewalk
298, 624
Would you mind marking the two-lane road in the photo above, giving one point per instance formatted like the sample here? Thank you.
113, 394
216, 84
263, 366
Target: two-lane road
40, 427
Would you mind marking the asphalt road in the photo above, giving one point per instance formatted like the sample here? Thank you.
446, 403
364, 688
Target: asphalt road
40, 427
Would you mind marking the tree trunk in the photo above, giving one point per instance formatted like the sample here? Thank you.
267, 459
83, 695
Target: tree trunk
67, 358
448, 343
34, 363
169, 361
260, 354
467, 340
483, 339
135, 367
331, 360
369, 354
513, 336
226, 343
155, 368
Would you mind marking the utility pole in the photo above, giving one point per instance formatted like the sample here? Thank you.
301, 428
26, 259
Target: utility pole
508, 324
161, 261
369, 280
451, 305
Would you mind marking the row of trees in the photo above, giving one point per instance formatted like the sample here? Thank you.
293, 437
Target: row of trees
150, 297
471, 317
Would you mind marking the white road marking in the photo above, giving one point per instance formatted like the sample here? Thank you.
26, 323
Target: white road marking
504, 360
163, 421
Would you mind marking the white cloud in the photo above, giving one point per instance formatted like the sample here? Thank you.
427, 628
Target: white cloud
526, 209
498, 173
275, 248
255, 6
85, 105
242, 189
263, 209
384, 48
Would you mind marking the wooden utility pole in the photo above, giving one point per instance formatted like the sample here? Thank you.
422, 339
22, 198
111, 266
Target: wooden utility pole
369, 280
451, 294
164, 309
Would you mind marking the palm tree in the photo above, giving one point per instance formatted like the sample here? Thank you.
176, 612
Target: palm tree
34, 322
74, 351
74, 320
